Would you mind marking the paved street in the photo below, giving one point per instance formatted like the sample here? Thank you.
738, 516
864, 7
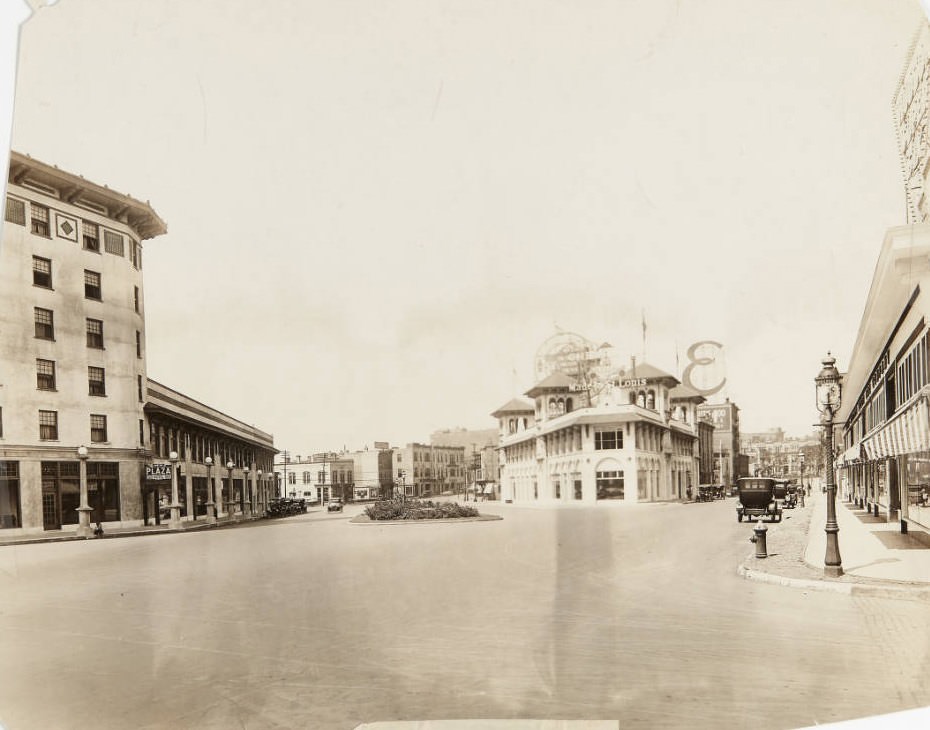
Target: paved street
629, 612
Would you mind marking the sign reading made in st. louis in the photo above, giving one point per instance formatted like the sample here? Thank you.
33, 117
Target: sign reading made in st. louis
157, 472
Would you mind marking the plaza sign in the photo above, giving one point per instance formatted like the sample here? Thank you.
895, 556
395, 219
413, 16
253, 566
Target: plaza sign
158, 472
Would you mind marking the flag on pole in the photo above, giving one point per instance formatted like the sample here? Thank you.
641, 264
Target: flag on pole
644, 334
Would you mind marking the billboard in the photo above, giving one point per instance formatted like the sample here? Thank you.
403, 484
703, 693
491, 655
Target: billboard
719, 416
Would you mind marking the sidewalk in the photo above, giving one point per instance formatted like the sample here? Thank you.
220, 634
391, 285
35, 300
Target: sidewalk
110, 532
876, 558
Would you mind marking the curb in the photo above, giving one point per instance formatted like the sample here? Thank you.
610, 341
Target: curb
874, 589
125, 533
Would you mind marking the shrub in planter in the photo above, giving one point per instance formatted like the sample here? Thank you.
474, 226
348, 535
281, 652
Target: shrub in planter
414, 509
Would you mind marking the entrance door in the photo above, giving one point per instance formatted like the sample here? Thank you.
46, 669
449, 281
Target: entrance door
51, 508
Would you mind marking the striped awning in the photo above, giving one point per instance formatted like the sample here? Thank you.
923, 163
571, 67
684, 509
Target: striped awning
906, 433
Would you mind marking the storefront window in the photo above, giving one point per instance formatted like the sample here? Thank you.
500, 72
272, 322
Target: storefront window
918, 479
103, 490
9, 495
610, 485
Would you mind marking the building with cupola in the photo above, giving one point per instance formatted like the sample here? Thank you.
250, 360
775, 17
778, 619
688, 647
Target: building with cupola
595, 432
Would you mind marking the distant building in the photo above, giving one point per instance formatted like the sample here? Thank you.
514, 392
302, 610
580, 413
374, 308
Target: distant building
373, 472
481, 456
424, 470
725, 419
316, 478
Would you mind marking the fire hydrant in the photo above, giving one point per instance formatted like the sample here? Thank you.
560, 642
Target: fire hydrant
758, 537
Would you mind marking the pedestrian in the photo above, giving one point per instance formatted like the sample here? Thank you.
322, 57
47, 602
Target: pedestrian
689, 492
98, 530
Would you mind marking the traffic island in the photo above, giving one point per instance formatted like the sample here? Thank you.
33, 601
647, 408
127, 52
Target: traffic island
407, 511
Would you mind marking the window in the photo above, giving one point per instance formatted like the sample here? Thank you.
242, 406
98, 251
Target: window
39, 220
41, 272
45, 324
113, 242
9, 495
103, 489
139, 386
45, 374
306, 477
15, 211
98, 428
609, 484
91, 236
95, 380
136, 255
292, 478
608, 440
138, 344
321, 477
48, 425
92, 285
141, 432
95, 333
135, 298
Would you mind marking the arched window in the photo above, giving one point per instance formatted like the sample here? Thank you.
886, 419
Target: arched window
641, 399
568, 405
512, 426
525, 424
651, 400
632, 398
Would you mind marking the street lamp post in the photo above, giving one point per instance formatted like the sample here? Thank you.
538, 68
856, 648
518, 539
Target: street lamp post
84, 509
175, 522
260, 497
829, 393
211, 503
230, 494
245, 505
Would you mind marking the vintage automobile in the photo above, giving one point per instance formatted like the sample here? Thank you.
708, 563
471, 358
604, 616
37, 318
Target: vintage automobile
756, 498
334, 504
784, 493
791, 499
705, 493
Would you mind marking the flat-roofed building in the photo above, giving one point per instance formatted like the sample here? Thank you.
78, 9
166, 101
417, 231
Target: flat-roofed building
80, 421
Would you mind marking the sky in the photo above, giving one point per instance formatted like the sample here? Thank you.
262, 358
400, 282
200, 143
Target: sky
377, 212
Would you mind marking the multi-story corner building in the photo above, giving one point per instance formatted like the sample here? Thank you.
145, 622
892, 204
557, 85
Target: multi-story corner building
315, 478
482, 465
423, 470
600, 437
84, 434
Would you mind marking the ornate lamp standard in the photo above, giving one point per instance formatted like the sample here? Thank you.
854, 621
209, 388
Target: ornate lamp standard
231, 496
828, 403
260, 497
84, 509
175, 506
211, 503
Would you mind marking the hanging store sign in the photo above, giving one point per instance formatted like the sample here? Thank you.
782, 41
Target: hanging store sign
158, 472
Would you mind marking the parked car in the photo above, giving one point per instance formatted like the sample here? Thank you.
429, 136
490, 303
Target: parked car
334, 505
757, 499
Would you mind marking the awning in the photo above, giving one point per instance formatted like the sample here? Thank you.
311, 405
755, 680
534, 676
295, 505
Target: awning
906, 433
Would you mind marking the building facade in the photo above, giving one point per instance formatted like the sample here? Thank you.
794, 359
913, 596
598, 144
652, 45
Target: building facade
481, 457
725, 419
424, 470
884, 456
80, 421
607, 437
316, 478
